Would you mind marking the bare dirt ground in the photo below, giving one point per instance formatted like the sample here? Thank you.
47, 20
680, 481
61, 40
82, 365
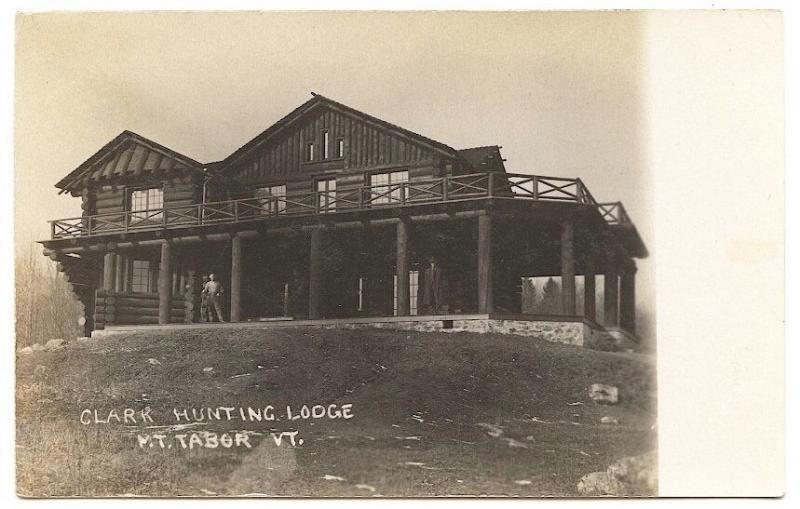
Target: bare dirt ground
432, 414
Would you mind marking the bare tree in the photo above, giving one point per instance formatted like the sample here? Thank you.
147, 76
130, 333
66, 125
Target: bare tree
46, 308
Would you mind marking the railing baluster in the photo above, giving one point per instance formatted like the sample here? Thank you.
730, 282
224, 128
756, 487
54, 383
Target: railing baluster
445, 186
490, 185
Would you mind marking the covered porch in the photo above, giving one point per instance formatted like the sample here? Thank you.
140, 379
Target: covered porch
343, 266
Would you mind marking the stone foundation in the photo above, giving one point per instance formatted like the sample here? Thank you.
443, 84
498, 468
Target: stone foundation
569, 331
575, 333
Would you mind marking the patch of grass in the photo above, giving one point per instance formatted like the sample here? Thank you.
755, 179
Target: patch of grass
435, 387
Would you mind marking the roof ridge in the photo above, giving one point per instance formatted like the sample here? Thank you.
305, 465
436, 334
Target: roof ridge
480, 147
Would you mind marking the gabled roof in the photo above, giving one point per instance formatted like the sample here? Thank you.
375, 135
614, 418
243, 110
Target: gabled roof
483, 159
128, 154
317, 101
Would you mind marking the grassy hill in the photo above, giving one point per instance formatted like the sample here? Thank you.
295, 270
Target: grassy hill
432, 414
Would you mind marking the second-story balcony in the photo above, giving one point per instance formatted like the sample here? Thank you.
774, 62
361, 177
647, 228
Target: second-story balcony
476, 186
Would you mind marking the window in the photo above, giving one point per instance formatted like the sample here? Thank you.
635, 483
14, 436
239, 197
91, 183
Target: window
309, 152
326, 195
274, 199
340, 147
326, 145
387, 188
141, 275
414, 289
146, 204
413, 283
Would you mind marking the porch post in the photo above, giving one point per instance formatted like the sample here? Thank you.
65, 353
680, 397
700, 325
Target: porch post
236, 278
610, 293
109, 271
485, 301
567, 268
314, 269
403, 294
589, 288
120, 273
627, 298
189, 292
165, 284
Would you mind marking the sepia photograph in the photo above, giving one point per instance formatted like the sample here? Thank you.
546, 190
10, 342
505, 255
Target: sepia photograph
335, 254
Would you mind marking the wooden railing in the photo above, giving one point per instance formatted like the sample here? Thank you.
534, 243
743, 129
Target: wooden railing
614, 213
438, 190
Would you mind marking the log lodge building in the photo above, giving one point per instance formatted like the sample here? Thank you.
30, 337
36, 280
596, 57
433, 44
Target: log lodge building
330, 213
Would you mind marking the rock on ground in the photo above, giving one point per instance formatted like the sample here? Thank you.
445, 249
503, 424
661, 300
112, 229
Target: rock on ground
632, 476
54, 344
604, 394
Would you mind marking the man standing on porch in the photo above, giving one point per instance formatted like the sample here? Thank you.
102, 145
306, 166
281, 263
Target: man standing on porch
213, 290
433, 287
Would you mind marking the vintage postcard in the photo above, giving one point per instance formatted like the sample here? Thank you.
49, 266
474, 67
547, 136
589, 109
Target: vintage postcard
317, 254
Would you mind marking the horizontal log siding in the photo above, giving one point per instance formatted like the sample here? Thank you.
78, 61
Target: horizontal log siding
182, 191
108, 200
116, 308
178, 192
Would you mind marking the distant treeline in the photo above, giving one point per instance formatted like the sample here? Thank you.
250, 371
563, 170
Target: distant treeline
45, 307
542, 296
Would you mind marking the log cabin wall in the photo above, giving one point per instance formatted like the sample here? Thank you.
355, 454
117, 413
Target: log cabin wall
118, 308
183, 190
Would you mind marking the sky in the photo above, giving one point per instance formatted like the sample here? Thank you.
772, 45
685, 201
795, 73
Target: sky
562, 93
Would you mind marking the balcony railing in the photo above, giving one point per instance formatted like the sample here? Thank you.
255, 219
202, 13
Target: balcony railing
614, 213
438, 190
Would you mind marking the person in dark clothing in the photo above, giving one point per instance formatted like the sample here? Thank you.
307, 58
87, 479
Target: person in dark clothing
433, 284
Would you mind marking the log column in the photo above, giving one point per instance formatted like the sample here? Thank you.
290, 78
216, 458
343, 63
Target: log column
567, 268
314, 273
403, 291
109, 271
120, 273
589, 288
190, 292
627, 298
485, 298
165, 284
610, 293
236, 279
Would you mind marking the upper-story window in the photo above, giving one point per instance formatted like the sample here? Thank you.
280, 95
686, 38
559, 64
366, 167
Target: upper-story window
340, 147
272, 199
309, 152
146, 204
326, 145
387, 188
326, 194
